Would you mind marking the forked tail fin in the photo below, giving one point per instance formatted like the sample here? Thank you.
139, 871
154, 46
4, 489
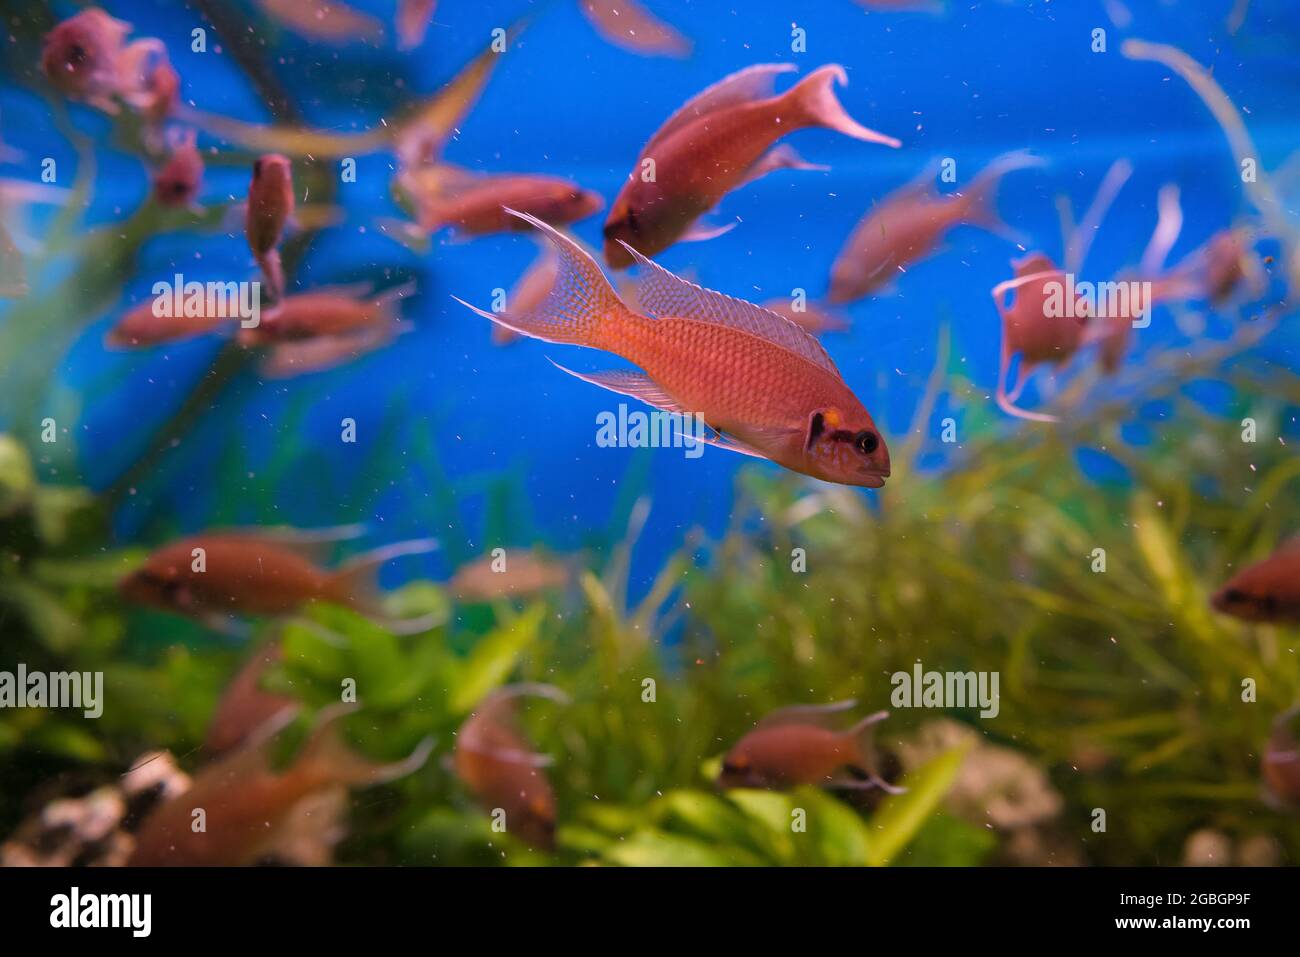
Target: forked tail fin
815, 101
579, 306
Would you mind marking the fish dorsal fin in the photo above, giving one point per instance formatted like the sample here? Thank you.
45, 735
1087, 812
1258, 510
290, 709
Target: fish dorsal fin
743, 86
660, 294
819, 715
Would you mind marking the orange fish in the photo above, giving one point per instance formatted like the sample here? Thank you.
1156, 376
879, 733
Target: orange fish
908, 224
625, 23
248, 806
413, 18
1280, 765
322, 353
177, 183
515, 574
151, 84
473, 205
324, 312
244, 707
765, 385
82, 57
270, 204
1028, 329
799, 746
812, 318
532, 288
141, 328
495, 760
718, 141
261, 572
1267, 591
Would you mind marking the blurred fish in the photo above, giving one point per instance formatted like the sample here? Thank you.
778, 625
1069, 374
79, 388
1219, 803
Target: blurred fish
244, 706
247, 804
1223, 269
151, 85
177, 183
321, 353
532, 288
82, 58
1280, 765
495, 761
627, 24
518, 573
812, 318
716, 142
413, 18
325, 312
749, 373
261, 572
328, 20
142, 328
472, 205
270, 204
797, 746
1028, 329
1267, 591
906, 226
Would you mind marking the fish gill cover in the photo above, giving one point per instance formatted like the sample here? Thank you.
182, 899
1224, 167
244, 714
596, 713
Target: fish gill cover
921, 490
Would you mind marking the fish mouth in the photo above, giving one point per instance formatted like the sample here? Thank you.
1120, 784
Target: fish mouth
874, 478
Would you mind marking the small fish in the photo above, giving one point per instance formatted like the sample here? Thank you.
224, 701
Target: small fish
1220, 271
82, 57
1267, 591
150, 84
270, 204
244, 706
812, 318
176, 185
495, 761
626, 24
325, 312
532, 288
719, 140
519, 573
141, 328
473, 205
1280, 764
331, 21
799, 746
749, 373
261, 572
412, 19
248, 806
907, 225
1028, 330
319, 354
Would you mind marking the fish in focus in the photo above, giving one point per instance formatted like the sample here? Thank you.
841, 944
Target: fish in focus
907, 226
244, 706
249, 806
473, 205
722, 138
261, 572
766, 386
496, 762
270, 204
412, 19
1267, 591
627, 24
1280, 764
176, 185
518, 573
799, 745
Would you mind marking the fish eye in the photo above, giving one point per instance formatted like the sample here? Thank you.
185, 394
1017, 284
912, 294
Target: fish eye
1235, 595
867, 442
76, 54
